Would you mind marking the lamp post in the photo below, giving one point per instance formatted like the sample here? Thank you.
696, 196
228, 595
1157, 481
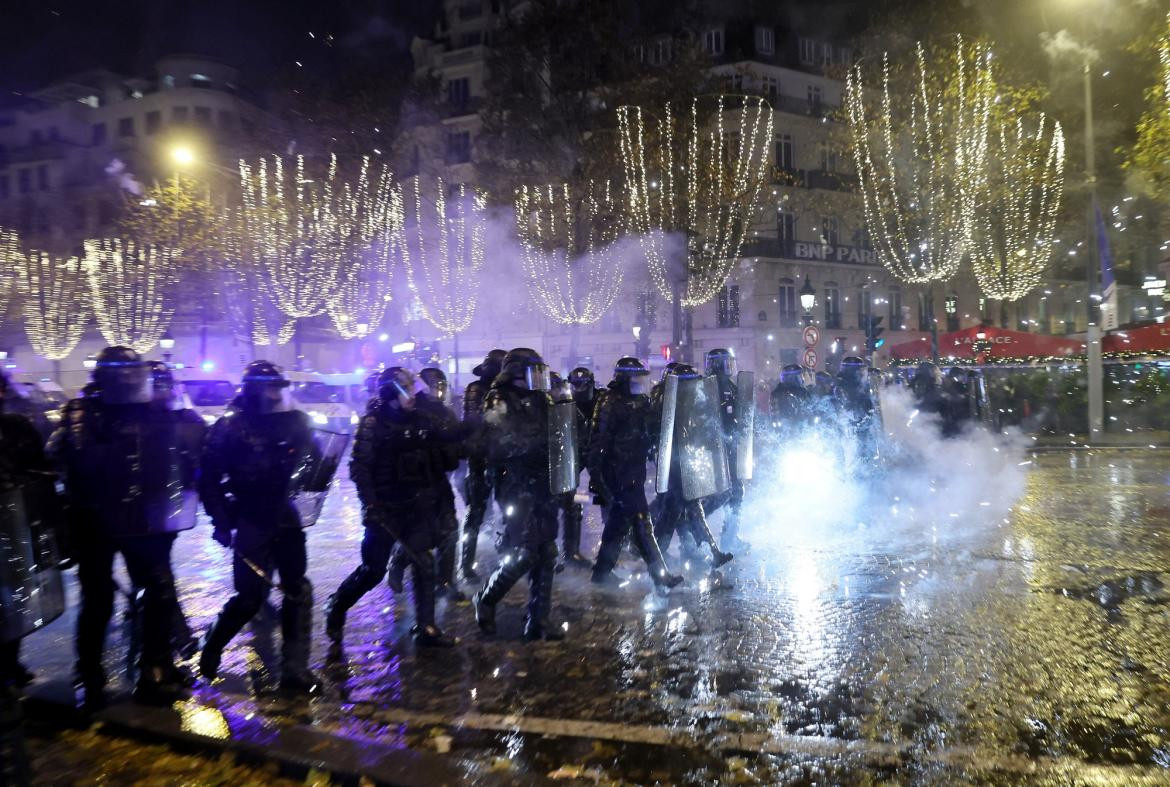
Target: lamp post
808, 299
167, 343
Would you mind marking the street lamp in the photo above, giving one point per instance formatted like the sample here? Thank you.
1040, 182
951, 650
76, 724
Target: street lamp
808, 299
183, 155
167, 343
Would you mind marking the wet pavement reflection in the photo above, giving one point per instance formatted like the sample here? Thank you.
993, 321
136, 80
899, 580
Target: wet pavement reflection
997, 645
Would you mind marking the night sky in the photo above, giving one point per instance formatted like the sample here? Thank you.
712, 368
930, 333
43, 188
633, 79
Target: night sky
42, 40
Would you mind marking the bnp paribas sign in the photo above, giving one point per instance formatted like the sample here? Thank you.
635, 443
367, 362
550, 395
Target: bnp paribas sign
856, 255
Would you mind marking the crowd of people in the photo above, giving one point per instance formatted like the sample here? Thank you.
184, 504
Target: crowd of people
134, 463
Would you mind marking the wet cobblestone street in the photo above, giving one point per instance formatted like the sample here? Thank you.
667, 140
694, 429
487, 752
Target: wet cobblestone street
987, 644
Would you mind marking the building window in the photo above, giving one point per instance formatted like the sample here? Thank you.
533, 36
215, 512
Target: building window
98, 133
43, 177
713, 41
458, 92
458, 147
474, 38
203, 116
830, 231
765, 40
826, 54
728, 307
785, 157
814, 99
896, 309
828, 158
180, 114
126, 127
661, 53
832, 305
737, 82
786, 304
1043, 319
770, 87
808, 51
3, 187
640, 53
153, 121
923, 313
471, 10
844, 55
951, 307
864, 307
861, 237
23, 181
227, 121
785, 227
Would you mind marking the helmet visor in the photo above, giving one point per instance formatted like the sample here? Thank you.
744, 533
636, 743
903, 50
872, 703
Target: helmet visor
124, 382
536, 377
266, 397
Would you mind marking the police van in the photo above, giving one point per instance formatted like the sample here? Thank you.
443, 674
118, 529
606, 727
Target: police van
332, 401
209, 392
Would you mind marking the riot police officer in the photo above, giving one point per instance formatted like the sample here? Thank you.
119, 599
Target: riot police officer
623, 433
792, 410
720, 363
927, 388
517, 447
126, 494
585, 394
857, 403
478, 486
673, 510
956, 407
246, 484
399, 466
434, 400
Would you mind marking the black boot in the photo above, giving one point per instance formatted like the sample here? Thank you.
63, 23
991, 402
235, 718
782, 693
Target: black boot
643, 531
572, 517
515, 564
157, 686
226, 626
538, 624
360, 581
702, 532
296, 628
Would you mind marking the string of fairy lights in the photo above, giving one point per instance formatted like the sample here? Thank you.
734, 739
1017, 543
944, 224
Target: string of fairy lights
1013, 225
444, 255
570, 261
696, 179
369, 225
133, 290
915, 156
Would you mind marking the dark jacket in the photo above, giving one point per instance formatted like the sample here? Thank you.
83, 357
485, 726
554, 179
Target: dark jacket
247, 468
515, 439
624, 432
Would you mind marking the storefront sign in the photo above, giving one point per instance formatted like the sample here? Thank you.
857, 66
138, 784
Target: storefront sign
826, 253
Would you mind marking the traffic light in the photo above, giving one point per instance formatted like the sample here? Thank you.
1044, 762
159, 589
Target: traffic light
873, 332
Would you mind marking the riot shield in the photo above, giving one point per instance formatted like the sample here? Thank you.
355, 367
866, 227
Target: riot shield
979, 403
699, 439
32, 594
563, 470
313, 476
745, 419
146, 487
666, 433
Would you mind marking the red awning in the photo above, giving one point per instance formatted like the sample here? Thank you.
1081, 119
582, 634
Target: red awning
1003, 344
1151, 338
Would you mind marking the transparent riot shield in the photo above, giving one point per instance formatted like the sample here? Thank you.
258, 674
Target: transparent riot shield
978, 402
666, 433
146, 485
32, 594
312, 478
563, 470
745, 419
699, 440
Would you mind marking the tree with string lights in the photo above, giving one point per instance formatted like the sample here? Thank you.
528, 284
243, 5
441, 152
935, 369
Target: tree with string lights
368, 222
694, 174
444, 254
133, 290
918, 142
571, 264
1015, 208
